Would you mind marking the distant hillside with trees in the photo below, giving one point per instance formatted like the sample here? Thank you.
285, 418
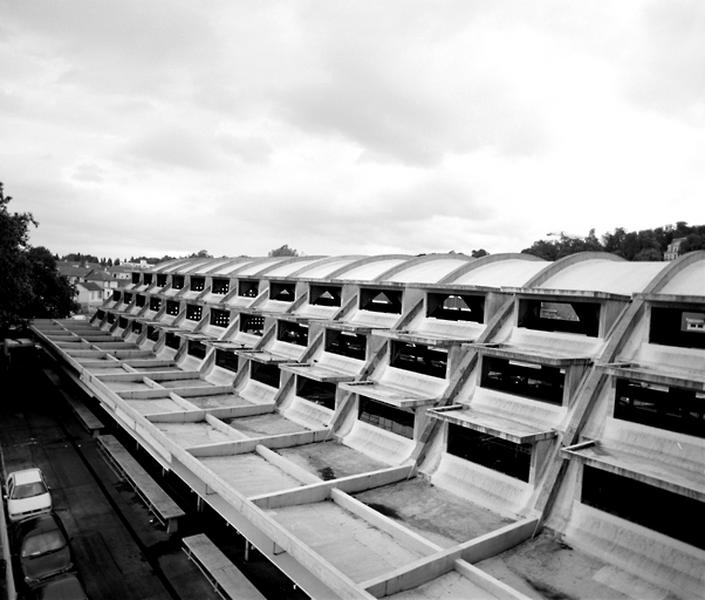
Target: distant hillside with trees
647, 244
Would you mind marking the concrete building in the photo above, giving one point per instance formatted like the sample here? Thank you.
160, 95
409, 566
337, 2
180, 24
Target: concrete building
424, 427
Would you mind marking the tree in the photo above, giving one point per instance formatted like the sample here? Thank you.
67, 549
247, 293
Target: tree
693, 241
479, 253
15, 285
646, 254
29, 283
52, 293
283, 251
201, 254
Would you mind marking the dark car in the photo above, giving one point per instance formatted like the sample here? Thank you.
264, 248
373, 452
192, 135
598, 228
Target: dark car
43, 548
63, 587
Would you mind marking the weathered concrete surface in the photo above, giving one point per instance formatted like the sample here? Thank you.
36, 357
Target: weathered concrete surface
330, 460
346, 541
437, 515
263, 425
545, 567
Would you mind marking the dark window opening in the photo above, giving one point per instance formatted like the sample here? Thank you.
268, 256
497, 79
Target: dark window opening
265, 373
221, 286
127, 297
668, 513
456, 307
529, 380
173, 340
249, 288
197, 349
172, 308
100, 314
283, 292
135, 278
490, 451
111, 318
293, 333
346, 343
177, 282
386, 417
140, 300
324, 295
161, 279
194, 312
316, 391
383, 301
252, 324
117, 295
155, 304
197, 284
677, 327
568, 317
227, 360
147, 278
152, 333
419, 359
136, 327
671, 408
220, 318
122, 323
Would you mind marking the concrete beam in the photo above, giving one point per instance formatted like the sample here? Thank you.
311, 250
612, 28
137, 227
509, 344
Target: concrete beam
320, 491
287, 466
401, 534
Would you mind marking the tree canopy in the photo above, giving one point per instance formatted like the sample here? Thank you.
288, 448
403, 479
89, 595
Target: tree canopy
647, 244
30, 285
283, 251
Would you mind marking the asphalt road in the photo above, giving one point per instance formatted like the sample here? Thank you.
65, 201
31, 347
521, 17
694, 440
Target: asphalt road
120, 555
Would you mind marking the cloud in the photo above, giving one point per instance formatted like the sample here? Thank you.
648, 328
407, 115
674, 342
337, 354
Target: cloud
398, 100
248, 149
345, 127
89, 173
172, 147
666, 70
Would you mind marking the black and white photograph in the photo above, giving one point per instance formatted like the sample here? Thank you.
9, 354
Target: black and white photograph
346, 299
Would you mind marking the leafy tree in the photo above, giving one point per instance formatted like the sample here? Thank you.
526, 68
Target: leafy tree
479, 253
29, 284
15, 285
283, 251
201, 254
52, 294
564, 246
648, 254
693, 241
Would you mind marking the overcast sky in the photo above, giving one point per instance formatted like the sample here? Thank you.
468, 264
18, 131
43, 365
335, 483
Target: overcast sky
148, 127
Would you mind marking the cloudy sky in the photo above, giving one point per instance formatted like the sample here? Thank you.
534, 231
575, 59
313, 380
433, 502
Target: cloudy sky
136, 127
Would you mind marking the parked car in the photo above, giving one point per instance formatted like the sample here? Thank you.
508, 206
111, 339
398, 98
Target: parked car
43, 548
27, 494
64, 587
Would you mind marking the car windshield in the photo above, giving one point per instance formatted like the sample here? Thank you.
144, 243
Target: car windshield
27, 490
42, 543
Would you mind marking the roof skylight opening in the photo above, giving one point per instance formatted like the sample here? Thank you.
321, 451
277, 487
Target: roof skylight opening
455, 307
382, 301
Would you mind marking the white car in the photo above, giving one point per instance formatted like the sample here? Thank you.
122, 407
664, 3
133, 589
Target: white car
27, 494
